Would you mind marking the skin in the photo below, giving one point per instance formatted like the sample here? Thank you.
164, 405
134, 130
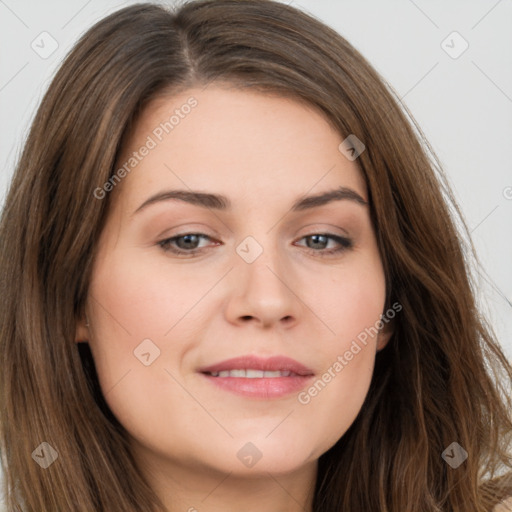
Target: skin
263, 152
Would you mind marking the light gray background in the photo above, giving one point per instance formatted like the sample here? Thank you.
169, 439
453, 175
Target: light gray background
464, 104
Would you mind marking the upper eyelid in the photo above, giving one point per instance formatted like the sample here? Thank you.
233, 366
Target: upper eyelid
312, 229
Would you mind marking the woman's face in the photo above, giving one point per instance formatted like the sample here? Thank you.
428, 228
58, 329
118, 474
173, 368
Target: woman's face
184, 283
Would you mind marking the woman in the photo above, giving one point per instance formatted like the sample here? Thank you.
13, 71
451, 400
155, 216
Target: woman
319, 349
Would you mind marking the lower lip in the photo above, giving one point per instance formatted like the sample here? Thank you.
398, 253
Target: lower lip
275, 387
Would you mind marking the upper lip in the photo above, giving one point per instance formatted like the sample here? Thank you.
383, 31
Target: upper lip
269, 364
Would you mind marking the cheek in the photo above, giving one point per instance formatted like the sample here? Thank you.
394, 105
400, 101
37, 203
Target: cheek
132, 306
134, 298
350, 299
351, 303
138, 306
335, 398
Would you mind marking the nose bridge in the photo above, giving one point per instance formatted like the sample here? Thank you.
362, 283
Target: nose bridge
262, 261
261, 245
262, 291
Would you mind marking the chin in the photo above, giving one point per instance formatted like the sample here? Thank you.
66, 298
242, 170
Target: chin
259, 455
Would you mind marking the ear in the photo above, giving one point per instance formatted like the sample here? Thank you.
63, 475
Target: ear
82, 329
385, 334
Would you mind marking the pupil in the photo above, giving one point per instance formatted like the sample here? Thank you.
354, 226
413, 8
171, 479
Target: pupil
315, 240
187, 240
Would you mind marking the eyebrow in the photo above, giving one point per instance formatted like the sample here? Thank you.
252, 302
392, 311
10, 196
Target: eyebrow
222, 203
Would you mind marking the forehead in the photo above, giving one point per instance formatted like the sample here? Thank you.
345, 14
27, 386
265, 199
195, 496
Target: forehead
237, 142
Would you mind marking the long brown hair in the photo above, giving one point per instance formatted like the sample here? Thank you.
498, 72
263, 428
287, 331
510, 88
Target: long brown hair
442, 378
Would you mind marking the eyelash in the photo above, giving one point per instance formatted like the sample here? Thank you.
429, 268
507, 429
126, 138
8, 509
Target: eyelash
345, 244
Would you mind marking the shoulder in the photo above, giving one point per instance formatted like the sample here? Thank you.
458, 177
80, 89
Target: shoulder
504, 506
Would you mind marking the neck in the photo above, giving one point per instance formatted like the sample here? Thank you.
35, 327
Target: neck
191, 489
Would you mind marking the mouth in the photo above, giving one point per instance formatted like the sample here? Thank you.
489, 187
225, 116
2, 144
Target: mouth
252, 374
256, 377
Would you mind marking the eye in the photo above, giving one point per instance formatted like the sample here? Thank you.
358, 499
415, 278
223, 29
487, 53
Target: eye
318, 242
187, 244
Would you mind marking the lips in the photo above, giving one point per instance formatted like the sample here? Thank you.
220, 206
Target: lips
252, 374
257, 377
270, 364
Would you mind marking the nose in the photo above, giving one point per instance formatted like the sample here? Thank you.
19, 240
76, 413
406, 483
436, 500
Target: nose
264, 292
